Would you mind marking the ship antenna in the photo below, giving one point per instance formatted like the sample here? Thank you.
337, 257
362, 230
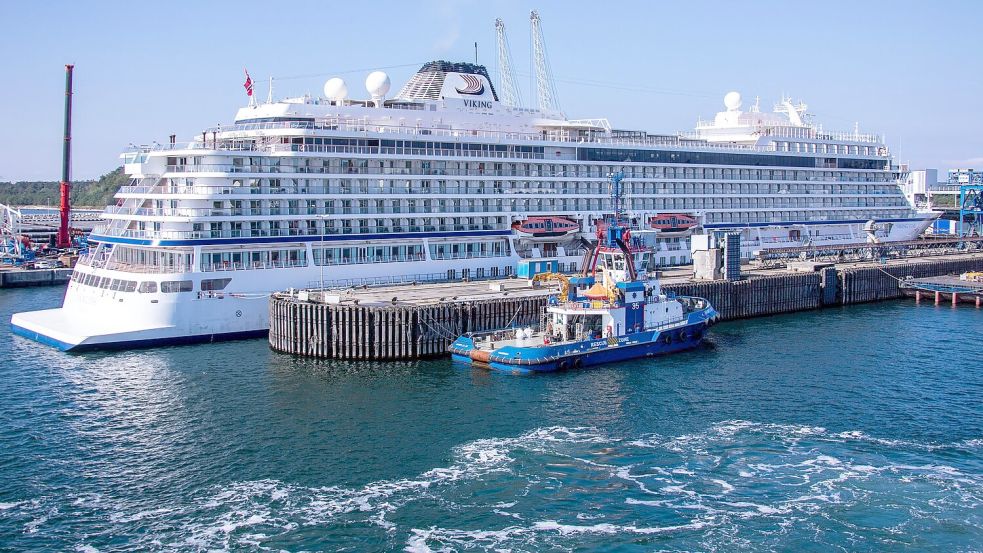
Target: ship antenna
545, 89
510, 91
269, 95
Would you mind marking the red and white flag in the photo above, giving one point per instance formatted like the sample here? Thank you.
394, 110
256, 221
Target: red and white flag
248, 85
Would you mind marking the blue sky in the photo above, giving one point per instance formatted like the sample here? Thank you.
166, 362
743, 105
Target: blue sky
144, 70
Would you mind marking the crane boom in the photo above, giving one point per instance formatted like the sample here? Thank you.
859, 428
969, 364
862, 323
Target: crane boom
545, 88
506, 78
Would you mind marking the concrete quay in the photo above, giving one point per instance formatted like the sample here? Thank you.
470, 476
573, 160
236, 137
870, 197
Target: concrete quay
413, 321
20, 278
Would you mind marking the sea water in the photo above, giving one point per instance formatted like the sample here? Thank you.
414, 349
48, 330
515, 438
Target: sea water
853, 429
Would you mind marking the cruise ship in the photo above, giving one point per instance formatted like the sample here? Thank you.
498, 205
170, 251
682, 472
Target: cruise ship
441, 180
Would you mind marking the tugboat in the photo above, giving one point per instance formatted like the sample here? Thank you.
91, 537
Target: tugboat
610, 312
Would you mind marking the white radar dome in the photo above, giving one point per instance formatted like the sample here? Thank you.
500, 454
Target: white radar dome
732, 101
335, 89
377, 83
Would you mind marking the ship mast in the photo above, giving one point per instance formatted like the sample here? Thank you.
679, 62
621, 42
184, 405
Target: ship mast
506, 78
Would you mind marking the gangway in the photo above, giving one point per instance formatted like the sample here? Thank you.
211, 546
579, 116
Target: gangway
863, 251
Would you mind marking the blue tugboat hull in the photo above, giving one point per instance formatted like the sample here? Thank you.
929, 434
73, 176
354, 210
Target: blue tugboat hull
587, 353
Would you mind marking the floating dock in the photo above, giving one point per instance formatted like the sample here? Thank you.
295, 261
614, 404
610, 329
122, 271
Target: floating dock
413, 321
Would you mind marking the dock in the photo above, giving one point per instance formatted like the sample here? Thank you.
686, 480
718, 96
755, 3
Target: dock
413, 321
948, 287
21, 278
397, 322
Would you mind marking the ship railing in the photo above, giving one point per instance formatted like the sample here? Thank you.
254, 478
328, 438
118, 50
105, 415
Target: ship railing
365, 260
491, 336
237, 189
250, 265
205, 212
143, 268
363, 127
283, 232
653, 185
394, 280
285, 167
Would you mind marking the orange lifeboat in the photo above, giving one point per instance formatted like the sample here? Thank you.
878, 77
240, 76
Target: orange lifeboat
672, 222
545, 227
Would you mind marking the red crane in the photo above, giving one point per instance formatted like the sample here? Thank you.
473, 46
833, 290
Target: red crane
64, 240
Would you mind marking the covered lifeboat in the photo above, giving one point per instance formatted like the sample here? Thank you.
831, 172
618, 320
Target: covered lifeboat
545, 228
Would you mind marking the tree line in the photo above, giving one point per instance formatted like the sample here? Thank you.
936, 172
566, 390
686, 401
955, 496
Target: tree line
89, 193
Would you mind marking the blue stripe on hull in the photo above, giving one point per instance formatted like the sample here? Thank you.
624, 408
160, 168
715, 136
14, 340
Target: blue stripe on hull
135, 344
652, 346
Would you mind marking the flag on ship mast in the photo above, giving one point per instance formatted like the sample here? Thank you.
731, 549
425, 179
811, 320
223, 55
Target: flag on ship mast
248, 85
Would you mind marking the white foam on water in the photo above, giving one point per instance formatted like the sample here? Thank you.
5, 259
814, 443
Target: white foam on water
82, 548
282, 507
802, 470
727, 488
762, 509
679, 489
507, 514
606, 528
523, 537
9, 505
125, 518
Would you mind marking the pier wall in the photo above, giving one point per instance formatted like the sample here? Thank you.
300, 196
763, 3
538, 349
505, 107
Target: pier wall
19, 278
407, 331
866, 284
756, 297
344, 331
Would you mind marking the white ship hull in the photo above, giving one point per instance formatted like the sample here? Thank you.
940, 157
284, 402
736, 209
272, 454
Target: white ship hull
94, 318
133, 319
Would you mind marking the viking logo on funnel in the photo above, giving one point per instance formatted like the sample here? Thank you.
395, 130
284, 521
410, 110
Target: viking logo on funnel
473, 85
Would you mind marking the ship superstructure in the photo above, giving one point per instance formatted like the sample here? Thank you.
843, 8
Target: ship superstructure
436, 182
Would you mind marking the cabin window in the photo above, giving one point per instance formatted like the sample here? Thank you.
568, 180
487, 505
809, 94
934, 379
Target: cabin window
147, 287
214, 284
173, 286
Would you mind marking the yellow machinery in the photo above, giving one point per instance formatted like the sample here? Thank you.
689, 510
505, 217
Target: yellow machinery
563, 280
